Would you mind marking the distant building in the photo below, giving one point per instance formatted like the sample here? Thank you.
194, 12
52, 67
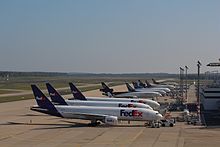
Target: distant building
210, 105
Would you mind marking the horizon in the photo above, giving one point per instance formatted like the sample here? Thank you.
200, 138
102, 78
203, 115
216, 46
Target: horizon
97, 72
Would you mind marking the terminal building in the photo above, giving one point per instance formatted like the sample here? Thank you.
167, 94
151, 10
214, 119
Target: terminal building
210, 106
210, 102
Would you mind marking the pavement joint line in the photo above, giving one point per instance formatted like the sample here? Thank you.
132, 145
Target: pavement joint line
14, 135
156, 140
100, 134
137, 135
1, 139
180, 141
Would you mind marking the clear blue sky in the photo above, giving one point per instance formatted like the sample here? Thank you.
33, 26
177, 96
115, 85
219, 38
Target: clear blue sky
113, 36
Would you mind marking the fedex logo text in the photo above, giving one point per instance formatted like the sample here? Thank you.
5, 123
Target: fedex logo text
74, 92
40, 98
133, 113
52, 94
126, 105
138, 101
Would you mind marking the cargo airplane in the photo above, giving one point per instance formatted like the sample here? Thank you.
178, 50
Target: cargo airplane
167, 88
58, 99
131, 89
165, 82
148, 85
107, 115
143, 94
78, 95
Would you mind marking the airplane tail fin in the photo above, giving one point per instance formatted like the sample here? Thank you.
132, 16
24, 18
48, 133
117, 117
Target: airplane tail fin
76, 93
148, 84
154, 81
130, 89
106, 89
135, 84
141, 84
109, 94
54, 95
41, 99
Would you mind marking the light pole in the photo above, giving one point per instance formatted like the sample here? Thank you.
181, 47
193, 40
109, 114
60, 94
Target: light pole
198, 89
181, 81
186, 78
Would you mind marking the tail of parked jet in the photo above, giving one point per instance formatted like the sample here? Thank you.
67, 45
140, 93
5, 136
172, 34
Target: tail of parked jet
45, 106
54, 95
148, 84
109, 94
155, 82
76, 93
130, 89
41, 99
106, 89
135, 85
141, 84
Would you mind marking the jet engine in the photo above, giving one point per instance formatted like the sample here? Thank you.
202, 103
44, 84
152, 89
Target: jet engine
111, 120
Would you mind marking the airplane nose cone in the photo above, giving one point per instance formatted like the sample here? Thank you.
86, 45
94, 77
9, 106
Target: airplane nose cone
157, 105
159, 116
148, 107
158, 94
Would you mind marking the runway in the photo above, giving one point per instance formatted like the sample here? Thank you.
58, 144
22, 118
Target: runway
22, 127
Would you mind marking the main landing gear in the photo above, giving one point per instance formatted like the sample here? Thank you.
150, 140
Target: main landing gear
94, 123
153, 124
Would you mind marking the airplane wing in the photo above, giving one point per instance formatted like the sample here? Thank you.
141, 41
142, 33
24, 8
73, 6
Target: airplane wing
87, 116
166, 80
107, 119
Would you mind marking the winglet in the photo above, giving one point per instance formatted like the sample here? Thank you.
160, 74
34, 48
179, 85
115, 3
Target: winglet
76, 93
41, 99
54, 95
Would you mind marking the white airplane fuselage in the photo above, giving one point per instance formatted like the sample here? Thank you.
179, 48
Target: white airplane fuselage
158, 88
163, 86
142, 94
150, 89
107, 104
151, 103
140, 114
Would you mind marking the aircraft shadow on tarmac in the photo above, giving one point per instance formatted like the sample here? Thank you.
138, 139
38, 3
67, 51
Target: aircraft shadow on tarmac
66, 125
31, 115
57, 125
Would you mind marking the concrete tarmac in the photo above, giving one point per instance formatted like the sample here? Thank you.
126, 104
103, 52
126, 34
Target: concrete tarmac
22, 127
